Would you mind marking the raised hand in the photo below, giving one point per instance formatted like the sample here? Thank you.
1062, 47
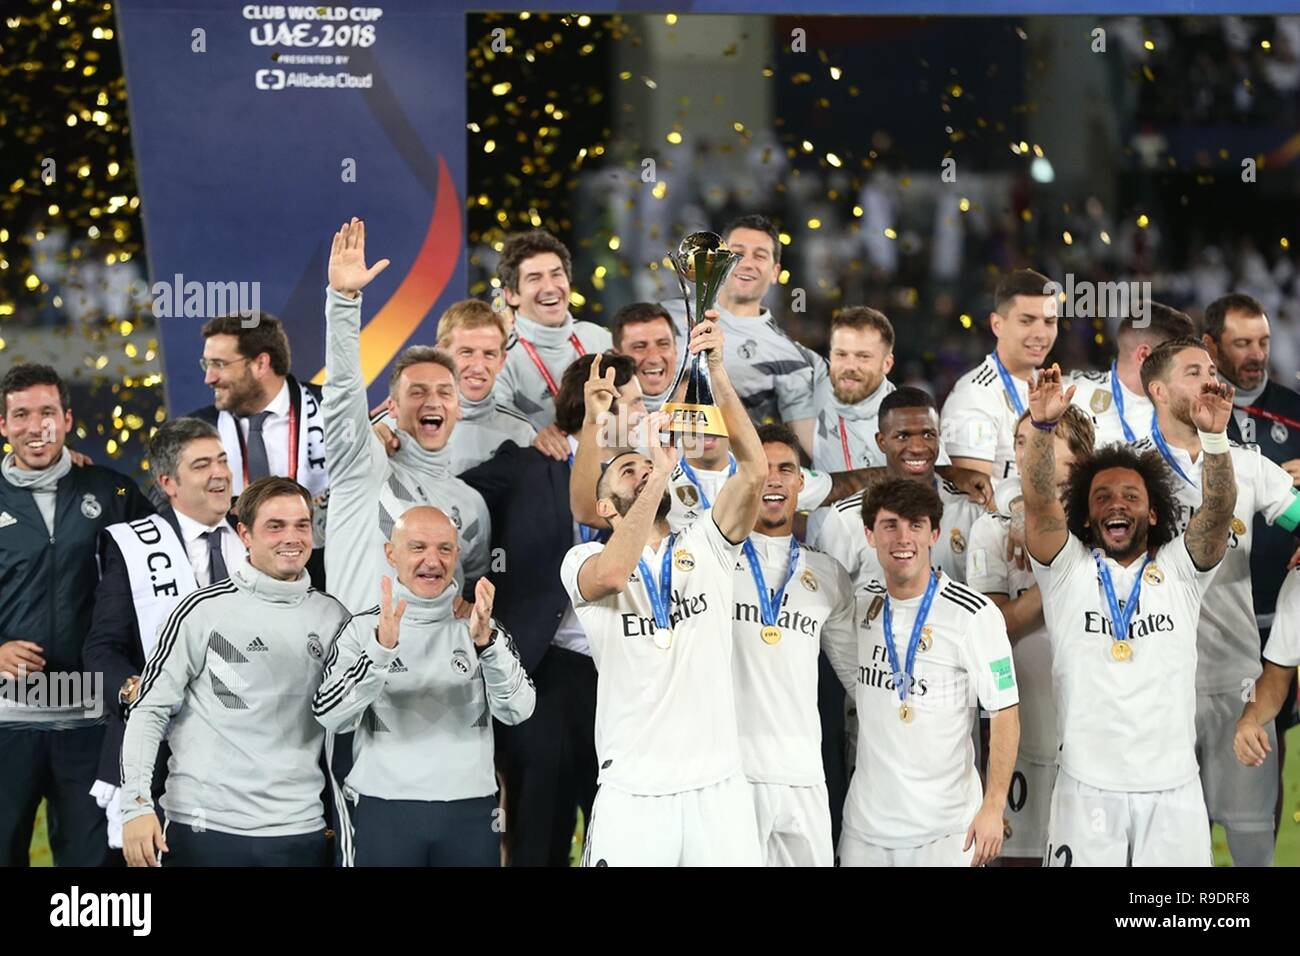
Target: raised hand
598, 392
1047, 403
1212, 409
348, 272
390, 620
706, 337
480, 619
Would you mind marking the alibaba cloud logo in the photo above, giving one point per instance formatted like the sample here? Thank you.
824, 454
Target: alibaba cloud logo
269, 79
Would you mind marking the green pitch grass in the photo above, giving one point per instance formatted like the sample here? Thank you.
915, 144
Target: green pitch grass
1288, 838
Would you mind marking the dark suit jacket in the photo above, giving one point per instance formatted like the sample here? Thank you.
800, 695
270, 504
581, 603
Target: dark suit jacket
527, 494
211, 414
113, 646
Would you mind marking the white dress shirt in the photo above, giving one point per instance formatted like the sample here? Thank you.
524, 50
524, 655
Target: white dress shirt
196, 546
275, 432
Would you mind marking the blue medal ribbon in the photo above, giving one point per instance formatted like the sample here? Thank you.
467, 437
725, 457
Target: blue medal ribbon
1008, 384
660, 593
1165, 453
689, 472
769, 604
1118, 394
1119, 620
904, 685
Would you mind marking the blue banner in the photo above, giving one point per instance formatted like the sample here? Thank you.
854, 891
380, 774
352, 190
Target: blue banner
259, 129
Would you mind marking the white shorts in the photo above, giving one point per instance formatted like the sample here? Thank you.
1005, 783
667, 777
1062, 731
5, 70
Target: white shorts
712, 826
1239, 797
1029, 803
946, 851
794, 824
1091, 827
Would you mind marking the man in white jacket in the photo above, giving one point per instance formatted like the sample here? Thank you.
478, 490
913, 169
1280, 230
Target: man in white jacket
420, 689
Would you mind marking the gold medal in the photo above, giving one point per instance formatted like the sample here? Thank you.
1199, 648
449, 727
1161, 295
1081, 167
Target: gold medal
1121, 651
927, 638
1238, 526
905, 713
771, 634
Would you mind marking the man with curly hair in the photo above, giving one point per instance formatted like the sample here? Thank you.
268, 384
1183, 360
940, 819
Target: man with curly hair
1122, 593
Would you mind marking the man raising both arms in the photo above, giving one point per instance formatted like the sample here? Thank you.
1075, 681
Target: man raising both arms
1127, 791
656, 607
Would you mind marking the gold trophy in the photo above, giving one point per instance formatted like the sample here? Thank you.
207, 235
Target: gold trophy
703, 259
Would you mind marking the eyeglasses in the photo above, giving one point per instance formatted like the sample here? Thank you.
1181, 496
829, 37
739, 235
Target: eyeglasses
219, 365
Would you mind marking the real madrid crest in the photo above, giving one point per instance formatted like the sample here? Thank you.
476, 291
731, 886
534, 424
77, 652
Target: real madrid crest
90, 507
927, 638
958, 541
1153, 575
460, 662
683, 560
1279, 432
314, 646
807, 580
688, 495
1238, 526
455, 517
748, 349
1100, 401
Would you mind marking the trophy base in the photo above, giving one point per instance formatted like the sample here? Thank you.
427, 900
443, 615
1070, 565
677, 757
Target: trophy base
700, 420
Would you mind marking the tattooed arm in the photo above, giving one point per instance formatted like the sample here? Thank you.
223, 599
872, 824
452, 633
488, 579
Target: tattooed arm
1045, 527
1207, 532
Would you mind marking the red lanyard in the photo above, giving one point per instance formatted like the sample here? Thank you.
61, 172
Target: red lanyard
1271, 416
844, 443
537, 359
293, 444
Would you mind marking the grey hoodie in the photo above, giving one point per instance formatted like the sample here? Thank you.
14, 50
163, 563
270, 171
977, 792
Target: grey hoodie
241, 659
423, 710
369, 491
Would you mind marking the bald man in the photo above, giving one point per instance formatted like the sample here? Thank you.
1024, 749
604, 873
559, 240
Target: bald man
420, 689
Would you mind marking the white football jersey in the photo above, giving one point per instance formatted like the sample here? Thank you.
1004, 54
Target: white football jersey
665, 719
1125, 725
776, 684
1228, 634
1283, 647
979, 418
989, 572
1095, 394
691, 499
917, 782
843, 536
